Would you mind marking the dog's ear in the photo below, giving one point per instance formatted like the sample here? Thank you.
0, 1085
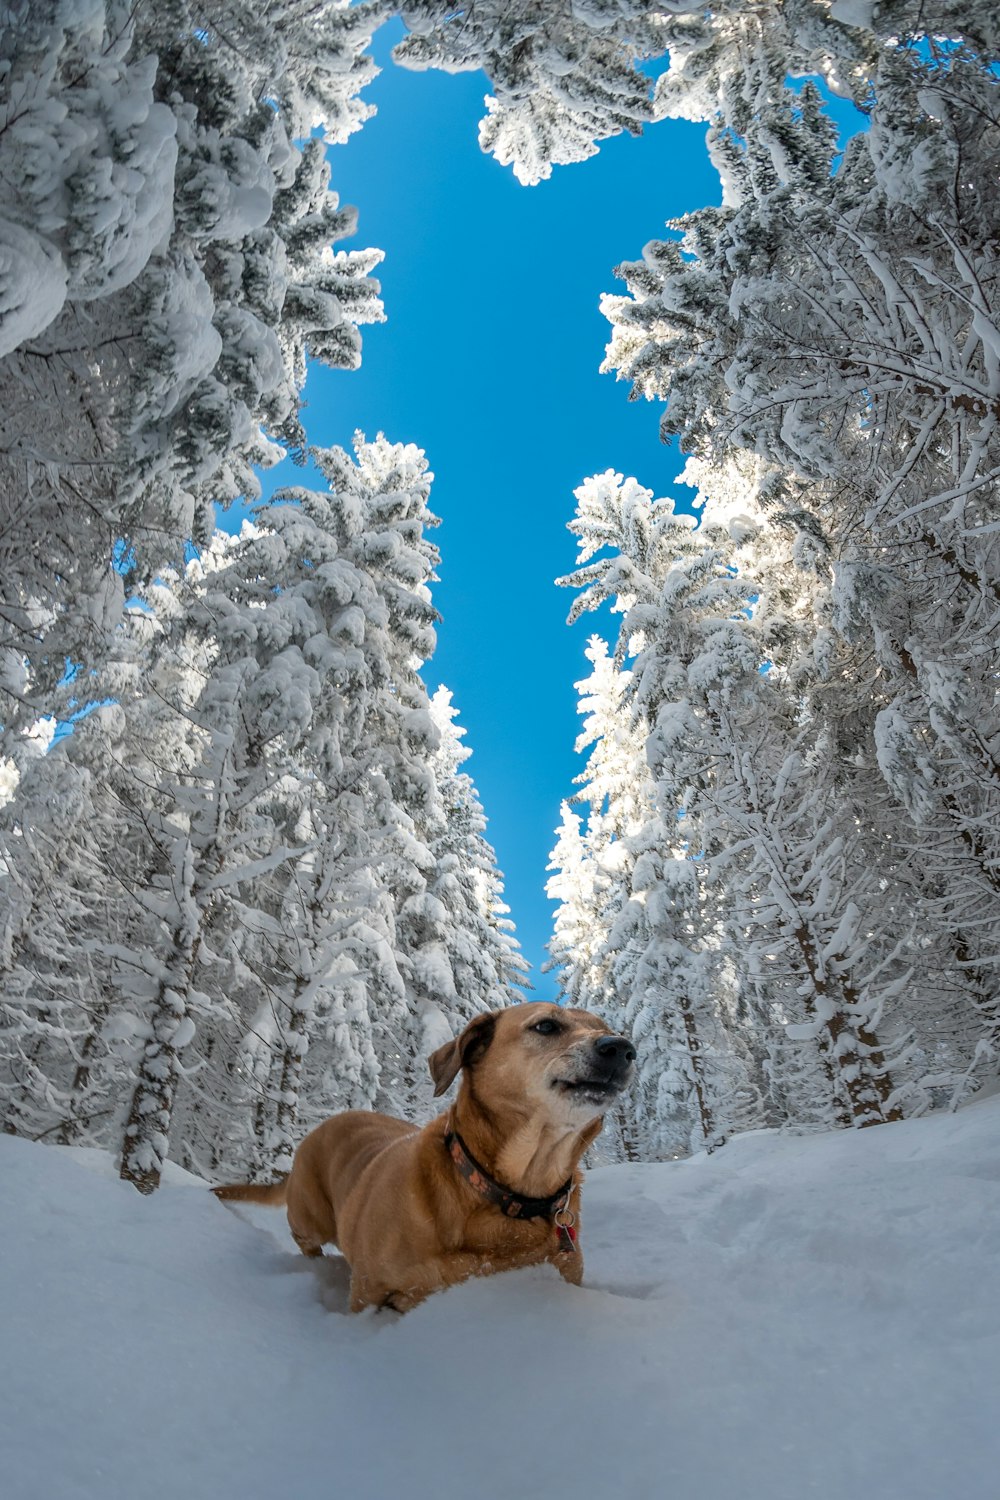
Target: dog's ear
467, 1048
444, 1065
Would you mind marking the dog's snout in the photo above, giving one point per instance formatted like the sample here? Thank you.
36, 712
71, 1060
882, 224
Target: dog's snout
615, 1050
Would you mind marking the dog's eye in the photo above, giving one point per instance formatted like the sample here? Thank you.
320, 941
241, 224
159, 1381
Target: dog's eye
547, 1028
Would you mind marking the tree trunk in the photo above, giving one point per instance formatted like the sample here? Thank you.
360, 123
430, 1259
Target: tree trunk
147, 1129
866, 1088
692, 1040
282, 1147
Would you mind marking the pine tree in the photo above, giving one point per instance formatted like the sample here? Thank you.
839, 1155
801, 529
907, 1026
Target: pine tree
167, 264
841, 325
594, 866
563, 75
725, 746
633, 936
252, 887
376, 947
483, 954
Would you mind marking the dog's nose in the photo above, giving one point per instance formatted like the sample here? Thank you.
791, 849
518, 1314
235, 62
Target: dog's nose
616, 1050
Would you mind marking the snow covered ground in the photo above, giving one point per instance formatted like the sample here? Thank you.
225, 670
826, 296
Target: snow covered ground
793, 1318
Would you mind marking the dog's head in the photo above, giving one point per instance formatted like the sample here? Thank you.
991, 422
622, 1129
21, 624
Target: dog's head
566, 1063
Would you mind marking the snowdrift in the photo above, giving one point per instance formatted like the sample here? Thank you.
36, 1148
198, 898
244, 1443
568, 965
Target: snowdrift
794, 1318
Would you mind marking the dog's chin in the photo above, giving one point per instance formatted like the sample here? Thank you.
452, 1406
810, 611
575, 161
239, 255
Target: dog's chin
590, 1095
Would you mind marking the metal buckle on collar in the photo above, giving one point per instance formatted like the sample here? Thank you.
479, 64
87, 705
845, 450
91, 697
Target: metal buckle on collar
564, 1220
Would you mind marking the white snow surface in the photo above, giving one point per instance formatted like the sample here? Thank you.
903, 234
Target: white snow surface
793, 1318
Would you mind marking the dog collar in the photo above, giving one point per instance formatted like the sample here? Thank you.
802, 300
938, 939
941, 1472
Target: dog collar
513, 1205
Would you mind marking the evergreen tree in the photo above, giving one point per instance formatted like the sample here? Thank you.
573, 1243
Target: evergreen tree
728, 746
166, 265
483, 954
842, 325
252, 888
563, 75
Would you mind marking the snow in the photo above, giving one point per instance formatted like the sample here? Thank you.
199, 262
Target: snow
853, 12
792, 1318
131, 212
33, 282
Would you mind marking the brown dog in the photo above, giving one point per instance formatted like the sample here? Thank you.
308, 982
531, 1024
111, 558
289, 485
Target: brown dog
491, 1185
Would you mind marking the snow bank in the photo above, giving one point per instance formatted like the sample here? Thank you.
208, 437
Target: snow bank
790, 1319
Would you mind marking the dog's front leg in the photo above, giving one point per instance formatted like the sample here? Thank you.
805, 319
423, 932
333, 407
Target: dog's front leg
570, 1265
417, 1282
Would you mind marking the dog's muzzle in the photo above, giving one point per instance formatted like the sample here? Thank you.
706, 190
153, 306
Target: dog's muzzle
606, 1071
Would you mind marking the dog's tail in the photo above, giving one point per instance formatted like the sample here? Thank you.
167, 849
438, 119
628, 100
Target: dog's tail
253, 1192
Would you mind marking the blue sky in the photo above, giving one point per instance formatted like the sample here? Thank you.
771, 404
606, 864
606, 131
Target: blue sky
489, 362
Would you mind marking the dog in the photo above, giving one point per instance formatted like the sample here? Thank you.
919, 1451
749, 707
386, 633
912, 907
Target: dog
491, 1185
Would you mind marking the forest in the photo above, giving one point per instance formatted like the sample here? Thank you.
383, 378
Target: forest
244, 879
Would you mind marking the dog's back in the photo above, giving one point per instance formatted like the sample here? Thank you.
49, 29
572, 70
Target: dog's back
327, 1166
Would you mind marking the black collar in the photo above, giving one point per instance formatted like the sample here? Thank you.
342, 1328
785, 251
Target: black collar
514, 1205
